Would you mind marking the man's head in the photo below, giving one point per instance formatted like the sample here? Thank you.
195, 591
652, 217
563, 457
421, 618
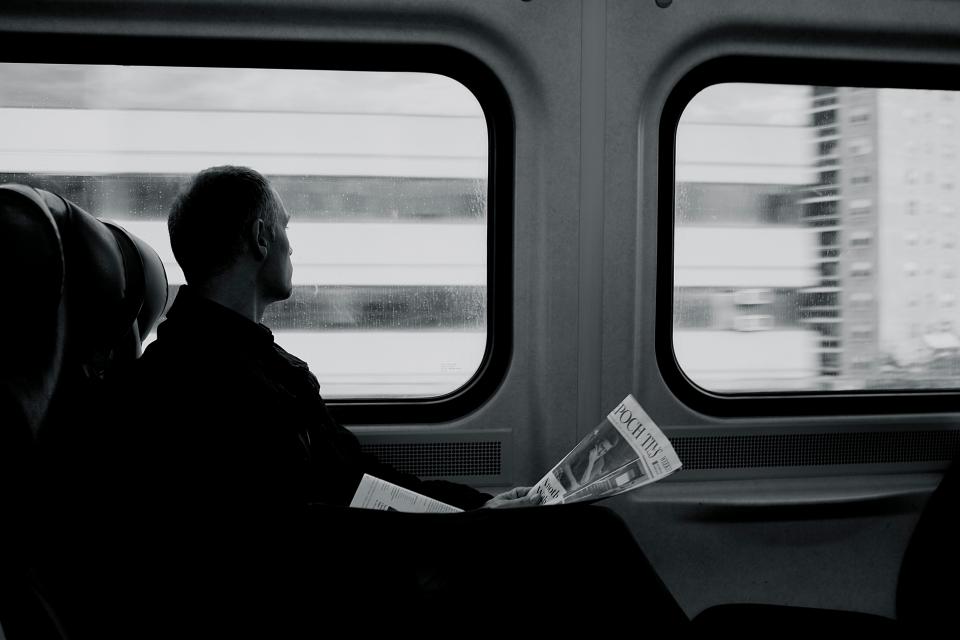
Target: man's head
230, 217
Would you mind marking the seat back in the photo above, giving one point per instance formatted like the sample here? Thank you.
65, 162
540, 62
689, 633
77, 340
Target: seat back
32, 321
80, 296
926, 593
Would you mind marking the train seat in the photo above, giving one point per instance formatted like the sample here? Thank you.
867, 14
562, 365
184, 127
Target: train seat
926, 588
81, 294
925, 595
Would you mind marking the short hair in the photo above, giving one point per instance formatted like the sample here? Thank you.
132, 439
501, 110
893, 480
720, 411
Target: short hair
211, 218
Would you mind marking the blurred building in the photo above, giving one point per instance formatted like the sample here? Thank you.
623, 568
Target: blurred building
885, 210
744, 257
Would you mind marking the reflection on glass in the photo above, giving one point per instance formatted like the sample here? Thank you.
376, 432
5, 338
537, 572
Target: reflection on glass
815, 239
384, 174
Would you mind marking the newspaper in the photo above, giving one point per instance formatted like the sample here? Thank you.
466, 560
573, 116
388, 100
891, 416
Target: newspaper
625, 451
374, 493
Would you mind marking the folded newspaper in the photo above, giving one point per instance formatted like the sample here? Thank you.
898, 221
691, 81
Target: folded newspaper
625, 451
374, 493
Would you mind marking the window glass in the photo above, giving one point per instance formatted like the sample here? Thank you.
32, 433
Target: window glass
383, 173
828, 199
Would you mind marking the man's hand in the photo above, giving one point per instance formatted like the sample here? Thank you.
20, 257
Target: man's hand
516, 497
593, 455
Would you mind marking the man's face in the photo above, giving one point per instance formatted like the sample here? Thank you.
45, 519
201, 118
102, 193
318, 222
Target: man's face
277, 273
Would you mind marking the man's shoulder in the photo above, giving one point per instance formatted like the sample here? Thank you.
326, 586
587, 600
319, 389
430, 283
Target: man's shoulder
163, 355
181, 364
171, 387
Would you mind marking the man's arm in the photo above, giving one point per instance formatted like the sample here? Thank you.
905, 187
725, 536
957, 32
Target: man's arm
357, 462
452, 493
516, 497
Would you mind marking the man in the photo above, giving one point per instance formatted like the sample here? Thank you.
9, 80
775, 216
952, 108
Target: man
211, 486
263, 430
221, 484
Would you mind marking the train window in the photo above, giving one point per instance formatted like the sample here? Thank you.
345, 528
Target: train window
812, 194
384, 174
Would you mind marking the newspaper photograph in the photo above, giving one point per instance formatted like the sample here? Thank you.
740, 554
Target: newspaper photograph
374, 493
625, 451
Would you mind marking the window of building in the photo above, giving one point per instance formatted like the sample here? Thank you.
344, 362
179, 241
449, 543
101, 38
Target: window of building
861, 332
861, 269
860, 207
861, 239
710, 203
830, 360
752, 297
859, 176
861, 299
753, 322
384, 175
696, 308
824, 117
859, 115
829, 238
860, 146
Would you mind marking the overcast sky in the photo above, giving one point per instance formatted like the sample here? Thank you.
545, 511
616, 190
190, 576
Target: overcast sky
285, 90
294, 90
733, 103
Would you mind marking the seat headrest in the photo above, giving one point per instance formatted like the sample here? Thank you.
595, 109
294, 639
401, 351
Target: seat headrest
151, 289
86, 292
115, 287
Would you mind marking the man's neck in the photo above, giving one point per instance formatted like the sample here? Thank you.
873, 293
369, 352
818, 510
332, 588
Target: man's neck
241, 298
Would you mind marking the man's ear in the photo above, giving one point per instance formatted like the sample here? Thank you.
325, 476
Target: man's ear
259, 242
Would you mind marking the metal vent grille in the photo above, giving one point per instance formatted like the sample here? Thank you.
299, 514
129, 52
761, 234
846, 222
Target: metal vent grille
800, 450
440, 458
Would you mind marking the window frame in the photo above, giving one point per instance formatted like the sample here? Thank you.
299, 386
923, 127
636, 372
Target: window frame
266, 53
775, 70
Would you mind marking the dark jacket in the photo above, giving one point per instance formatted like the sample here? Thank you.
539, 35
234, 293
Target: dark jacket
221, 414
